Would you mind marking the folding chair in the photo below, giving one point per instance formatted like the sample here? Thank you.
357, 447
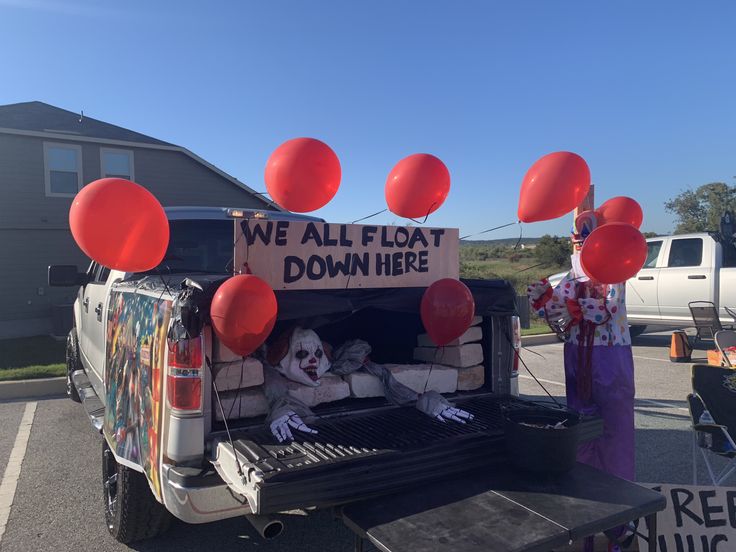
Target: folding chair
724, 340
706, 320
713, 413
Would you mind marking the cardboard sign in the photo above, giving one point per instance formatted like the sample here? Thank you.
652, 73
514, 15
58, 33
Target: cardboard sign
319, 255
697, 519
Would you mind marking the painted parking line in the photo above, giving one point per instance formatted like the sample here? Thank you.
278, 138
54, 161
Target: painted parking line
648, 401
652, 358
12, 470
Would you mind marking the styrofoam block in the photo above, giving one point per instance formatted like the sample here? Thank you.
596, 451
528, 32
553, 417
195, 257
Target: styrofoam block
331, 388
442, 379
472, 334
242, 373
244, 403
363, 384
471, 378
462, 356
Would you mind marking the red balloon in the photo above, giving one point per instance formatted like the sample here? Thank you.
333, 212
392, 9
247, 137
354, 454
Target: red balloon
303, 174
417, 186
119, 224
621, 209
243, 313
553, 186
613, 253
447, 310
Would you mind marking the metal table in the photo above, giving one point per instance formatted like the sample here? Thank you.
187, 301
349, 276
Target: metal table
502, 510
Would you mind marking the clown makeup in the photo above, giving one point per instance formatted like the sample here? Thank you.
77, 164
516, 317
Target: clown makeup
309, 360
305, 361
585, 223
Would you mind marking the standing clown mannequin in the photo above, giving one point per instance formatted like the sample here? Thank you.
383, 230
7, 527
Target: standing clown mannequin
599, 367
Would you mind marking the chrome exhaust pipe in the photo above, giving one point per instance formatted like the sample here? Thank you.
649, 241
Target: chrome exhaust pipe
268, 527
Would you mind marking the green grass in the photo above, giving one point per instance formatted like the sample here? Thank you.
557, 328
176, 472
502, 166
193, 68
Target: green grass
537, 327
31, 357
520, 273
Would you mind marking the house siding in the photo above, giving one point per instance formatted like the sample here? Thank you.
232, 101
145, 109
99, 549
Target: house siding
34, 228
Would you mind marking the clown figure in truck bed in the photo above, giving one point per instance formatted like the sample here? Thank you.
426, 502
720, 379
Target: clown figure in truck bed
300, 356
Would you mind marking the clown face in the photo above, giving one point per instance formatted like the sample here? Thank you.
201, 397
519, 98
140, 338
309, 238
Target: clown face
305, 360
585, 223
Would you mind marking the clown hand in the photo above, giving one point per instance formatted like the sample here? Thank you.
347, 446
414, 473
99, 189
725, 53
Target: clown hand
452, 413
435, 405
539, 293
280, 427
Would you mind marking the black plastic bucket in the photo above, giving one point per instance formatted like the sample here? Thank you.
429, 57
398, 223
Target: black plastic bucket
541, 449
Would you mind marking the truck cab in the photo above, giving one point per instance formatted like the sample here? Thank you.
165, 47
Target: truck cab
680, 269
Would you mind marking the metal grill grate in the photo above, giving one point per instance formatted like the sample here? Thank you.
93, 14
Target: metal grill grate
346, 438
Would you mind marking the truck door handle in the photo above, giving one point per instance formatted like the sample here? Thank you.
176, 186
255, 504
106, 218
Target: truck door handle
645, 278
86, 304
98, 310
696, 277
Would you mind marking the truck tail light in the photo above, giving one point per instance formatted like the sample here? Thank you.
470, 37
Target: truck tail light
184, 378
515, 341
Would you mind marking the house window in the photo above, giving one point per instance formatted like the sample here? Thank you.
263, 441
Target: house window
116, 163
63, 169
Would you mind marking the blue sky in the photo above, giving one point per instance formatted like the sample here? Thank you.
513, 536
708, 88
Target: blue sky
644, 91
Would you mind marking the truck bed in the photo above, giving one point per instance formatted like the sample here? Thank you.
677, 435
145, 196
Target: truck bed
363, 455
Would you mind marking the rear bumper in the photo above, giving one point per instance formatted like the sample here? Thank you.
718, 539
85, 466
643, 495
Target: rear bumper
195, 498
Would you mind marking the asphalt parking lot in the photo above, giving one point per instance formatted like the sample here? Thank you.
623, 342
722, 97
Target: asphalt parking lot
58, 501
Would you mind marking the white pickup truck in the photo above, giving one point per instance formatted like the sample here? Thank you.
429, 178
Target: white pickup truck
678, 270
143, 360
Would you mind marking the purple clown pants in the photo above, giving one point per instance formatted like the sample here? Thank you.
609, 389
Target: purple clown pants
612, 399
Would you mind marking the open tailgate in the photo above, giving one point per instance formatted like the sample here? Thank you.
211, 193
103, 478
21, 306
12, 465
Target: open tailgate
360, 455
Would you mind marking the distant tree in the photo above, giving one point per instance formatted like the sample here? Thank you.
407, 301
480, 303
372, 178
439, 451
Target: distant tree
700, 210
650, 234
553, 250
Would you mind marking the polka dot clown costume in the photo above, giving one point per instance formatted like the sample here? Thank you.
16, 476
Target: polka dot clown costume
599, 366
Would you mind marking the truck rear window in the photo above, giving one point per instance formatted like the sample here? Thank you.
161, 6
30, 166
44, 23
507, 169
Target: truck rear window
199, 246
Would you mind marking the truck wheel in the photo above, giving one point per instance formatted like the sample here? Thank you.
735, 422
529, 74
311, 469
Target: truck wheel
131, 511
72, 364
636, 331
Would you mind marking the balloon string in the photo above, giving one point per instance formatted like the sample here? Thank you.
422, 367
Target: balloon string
429, 211
491, 229
521, 233
369, 216
529, 267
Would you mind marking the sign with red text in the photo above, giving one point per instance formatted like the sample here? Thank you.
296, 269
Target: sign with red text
697, 519
318, 255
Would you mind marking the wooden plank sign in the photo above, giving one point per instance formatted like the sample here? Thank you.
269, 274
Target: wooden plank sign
697, 519
319, 255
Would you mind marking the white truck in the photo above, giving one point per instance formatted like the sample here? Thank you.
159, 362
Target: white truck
142, 359
678, 270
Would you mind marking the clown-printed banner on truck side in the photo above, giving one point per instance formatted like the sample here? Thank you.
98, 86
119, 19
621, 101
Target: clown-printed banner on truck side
317, 255
136, 352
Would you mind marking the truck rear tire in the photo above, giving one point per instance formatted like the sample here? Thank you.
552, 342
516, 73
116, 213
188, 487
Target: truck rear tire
131, 511
636, 331
72, 364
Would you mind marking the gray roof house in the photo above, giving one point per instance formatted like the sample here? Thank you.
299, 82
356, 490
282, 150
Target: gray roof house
46, 155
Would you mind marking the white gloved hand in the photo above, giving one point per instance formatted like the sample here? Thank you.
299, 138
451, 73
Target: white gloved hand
280, 427
456, 414
435, 405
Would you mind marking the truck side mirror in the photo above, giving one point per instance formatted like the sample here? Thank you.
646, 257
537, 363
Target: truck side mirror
66, 276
